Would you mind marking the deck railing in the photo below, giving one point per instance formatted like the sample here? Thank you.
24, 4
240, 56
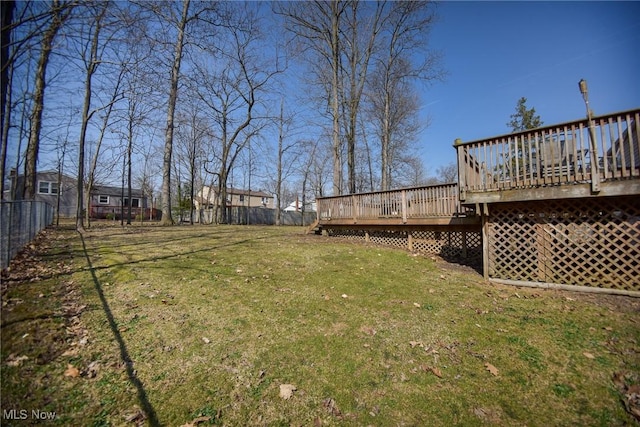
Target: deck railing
406, 204
564, 154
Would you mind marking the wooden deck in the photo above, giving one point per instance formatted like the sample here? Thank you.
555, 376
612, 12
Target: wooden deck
556, 206
571, 160
437, 205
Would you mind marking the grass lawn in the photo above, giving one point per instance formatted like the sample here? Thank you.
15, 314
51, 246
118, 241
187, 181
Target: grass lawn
237, 325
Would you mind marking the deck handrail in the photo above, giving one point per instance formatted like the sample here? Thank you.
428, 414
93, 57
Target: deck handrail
562, 154
433, 201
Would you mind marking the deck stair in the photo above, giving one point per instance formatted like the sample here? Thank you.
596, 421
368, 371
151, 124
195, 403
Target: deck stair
315, 228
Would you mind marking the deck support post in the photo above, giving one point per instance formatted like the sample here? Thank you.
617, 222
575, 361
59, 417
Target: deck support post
462, 183
485, 241
410, 241
367, 238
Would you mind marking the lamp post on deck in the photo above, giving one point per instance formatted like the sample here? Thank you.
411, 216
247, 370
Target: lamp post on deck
595, 169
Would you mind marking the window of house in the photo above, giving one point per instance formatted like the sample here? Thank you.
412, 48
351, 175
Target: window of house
241, 198
47, 187
264, 201
135, 203
103, 200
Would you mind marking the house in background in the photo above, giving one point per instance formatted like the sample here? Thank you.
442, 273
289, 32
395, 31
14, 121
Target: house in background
104, 200
296, 206
108, 202
48, 187
207, 198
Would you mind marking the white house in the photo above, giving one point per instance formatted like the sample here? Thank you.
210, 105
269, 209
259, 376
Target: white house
296, 206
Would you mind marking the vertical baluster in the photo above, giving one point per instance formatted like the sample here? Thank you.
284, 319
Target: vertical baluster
636, 143
623, 154
606, 148
632, 152
516, 157
538, 172
615, 169
573, 153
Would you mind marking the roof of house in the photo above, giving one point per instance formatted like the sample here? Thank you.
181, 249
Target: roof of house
247, 192
105, 190
236, 191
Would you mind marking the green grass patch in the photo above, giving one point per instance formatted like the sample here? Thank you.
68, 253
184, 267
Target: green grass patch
168, 325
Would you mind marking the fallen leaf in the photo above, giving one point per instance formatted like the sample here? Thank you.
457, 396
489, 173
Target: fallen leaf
415, 304
627, 385
435, 371
345, 296
492, 369
196, 421
588, 355
286, 391
331, 406
368, 330
136, 416
16, 361
71, 371
92, 369
415, 343
206, 340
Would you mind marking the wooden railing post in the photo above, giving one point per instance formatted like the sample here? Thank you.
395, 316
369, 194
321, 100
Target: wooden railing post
595, 167
462, 166
354, 212
404, 206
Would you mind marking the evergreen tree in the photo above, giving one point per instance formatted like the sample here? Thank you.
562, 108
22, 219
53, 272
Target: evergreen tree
524, 118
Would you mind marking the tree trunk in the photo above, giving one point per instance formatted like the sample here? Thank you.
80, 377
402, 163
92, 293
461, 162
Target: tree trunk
33, 146
86, 116
279, 171
171, 107
6, 12
335, 103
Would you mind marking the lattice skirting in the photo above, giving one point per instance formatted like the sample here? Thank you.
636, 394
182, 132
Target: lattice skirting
448, 244
586, 242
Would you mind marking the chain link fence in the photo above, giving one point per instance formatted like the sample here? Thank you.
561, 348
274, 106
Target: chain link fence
20, 222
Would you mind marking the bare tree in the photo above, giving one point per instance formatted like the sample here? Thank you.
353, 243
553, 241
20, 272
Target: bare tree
288, 153
392, 105
191, 135
60, 12
181, 25
448, 173
6, 15
231, 92
317, 26
361, 31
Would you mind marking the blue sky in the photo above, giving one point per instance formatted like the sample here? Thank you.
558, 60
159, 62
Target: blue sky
497, 52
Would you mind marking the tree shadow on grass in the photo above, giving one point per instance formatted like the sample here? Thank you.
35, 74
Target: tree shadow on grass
124, 354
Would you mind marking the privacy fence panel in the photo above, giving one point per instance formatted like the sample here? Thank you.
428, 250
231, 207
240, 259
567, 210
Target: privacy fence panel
21, 221
585, 242
240, 215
